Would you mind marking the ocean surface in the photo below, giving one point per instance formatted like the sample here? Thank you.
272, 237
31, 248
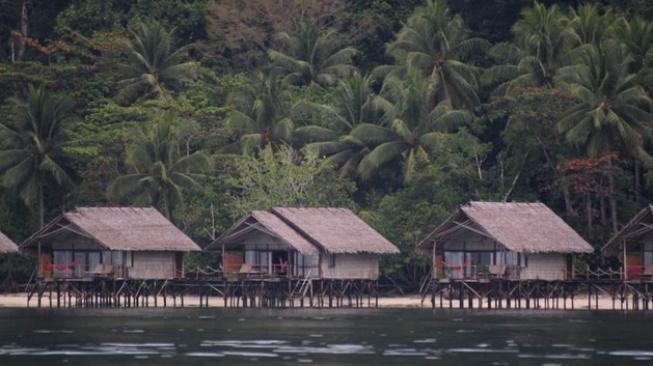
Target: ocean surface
323, 337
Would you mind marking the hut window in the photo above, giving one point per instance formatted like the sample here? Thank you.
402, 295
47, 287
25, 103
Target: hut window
507, 258
250, 257
93, 260
260, 260
332, 261
648, 257
311, 263
298, 264
81, 263
523, 260
62, 259
116, 258
454, 264
129, 259
264, 261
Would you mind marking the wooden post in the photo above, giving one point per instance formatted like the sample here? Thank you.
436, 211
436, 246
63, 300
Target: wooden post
58, 294
625, 261
460, 295
434, 270
589, 296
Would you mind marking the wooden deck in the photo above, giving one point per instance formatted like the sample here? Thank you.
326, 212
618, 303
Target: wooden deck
537, 294
246, 292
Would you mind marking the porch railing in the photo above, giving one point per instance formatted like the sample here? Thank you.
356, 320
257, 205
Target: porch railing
478, 271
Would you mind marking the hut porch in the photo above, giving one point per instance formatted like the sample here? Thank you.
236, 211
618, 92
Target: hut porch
255, 261
633, 247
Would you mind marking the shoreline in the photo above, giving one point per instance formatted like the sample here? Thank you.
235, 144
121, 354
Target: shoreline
19, 301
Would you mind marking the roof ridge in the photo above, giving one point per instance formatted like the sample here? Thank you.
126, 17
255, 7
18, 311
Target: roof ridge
308, 208
299, 230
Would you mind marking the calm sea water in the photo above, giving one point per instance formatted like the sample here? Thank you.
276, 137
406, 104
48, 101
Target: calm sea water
332, 337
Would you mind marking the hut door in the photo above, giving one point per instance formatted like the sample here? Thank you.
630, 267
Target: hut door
634, 263
232, 262
45, 265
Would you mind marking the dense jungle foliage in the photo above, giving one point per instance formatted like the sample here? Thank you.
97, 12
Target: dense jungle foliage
398, 109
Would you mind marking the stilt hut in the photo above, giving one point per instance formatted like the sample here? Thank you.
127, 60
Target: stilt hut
6, 245
324, 243
633, 246
517, 241
121, 243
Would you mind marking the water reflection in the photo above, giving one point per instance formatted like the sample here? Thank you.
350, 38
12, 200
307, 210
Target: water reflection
407, 337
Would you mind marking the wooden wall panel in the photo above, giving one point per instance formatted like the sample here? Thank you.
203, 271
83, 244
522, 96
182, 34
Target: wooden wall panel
232, 262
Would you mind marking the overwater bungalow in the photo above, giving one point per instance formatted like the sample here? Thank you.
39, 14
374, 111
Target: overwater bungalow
321, 243
516, 241
6, 245
120, 243
633, 246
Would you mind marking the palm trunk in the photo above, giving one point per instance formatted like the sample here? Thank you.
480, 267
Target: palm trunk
604, 218
589, 214
564, 184
479, 170
611, 197
637, 176
569, 208
23, 30
41, 206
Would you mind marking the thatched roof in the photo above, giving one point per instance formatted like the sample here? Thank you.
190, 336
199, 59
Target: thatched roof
268, 223
519, 227
6, 245
639, 226
332, 230
336, 230
120, 228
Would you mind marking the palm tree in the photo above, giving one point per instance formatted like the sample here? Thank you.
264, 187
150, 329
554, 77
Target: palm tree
586, 25
438, 45
154, 64
354, 103
31, 155
161, 172
636, 35
413, 126
613, 111
542, 41
259, 113
313, 55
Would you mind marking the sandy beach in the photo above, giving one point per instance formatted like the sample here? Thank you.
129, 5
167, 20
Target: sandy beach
19, 300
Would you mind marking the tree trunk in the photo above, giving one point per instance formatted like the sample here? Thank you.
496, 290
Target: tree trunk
512, 187
23, 30
589, 214
41, 206
479, 169
611, 197
501, 175
604, 217
168, 210
637, 175
569, 208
